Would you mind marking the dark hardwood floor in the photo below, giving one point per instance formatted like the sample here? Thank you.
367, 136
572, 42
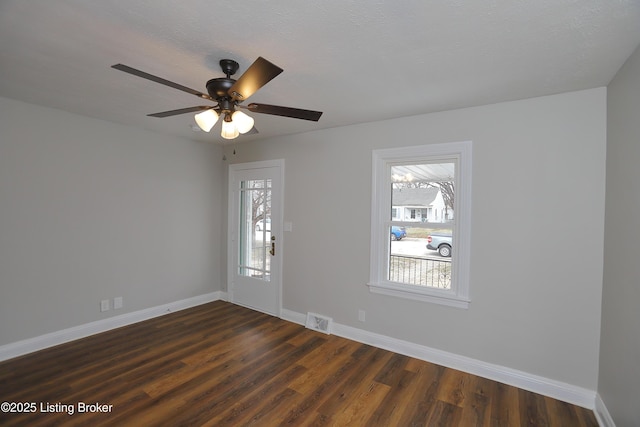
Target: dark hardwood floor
223, 365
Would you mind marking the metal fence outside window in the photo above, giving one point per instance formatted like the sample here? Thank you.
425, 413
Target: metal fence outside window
411, 270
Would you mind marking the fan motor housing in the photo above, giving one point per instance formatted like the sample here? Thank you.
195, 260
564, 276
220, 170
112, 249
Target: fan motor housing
219, 87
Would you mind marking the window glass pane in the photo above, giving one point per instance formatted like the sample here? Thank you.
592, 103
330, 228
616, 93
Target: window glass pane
422, 194
422, 257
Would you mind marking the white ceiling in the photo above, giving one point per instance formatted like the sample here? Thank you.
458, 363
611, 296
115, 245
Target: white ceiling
356, 60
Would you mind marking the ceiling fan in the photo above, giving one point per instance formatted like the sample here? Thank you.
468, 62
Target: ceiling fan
229, 93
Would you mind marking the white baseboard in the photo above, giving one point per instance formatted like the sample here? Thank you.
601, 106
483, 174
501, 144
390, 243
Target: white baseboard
293, 316
602, 414
537, 384
19, 348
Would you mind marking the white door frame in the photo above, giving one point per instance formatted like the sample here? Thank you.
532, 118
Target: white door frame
276, 229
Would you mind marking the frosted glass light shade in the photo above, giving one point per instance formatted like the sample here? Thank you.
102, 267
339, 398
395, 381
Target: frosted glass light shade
206, 119
229, 130
243, 122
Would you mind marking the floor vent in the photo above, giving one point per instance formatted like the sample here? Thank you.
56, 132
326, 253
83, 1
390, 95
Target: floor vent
319, 323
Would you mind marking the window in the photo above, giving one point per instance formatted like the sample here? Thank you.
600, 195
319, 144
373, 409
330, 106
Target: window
431, 260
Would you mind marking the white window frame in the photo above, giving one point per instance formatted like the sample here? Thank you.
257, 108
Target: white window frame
458, 296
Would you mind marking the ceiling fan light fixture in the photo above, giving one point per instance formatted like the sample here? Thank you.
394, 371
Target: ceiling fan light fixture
229, 130
243, 122
206, 119
228, 93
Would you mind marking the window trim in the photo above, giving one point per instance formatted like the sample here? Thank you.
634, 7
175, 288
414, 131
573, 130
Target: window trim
382, 160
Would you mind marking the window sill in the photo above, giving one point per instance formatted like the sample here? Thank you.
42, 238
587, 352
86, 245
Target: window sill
417, 294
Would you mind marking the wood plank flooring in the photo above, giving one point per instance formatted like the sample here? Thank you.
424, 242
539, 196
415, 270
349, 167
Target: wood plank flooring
223, 365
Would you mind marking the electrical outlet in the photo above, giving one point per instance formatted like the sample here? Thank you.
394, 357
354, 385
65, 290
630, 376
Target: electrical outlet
117, 303
361, 315
104, 305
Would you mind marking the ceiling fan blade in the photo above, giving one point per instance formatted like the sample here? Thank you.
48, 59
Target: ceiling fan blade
296, 113
180, 111
257, 75
160, 80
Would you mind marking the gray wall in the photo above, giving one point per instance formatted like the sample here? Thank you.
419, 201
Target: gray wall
537, 231
619, 382
90, 210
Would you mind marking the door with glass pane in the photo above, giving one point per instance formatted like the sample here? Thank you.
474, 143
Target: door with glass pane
255, 218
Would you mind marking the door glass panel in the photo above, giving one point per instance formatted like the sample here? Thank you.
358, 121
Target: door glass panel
255, 229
